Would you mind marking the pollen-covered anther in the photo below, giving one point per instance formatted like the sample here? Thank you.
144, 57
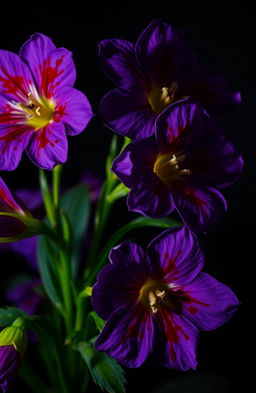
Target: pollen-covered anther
168, 168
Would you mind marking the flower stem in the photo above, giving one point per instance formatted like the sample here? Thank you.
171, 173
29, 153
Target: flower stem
56, 182
47, 197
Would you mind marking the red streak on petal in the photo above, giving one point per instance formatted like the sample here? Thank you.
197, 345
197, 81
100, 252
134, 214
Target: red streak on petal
192, 310
43, 139
189, 299
59, 112
134, 330
13, 134
191, 194
170, 269
49, 74
172, 331
12, 84
4, 197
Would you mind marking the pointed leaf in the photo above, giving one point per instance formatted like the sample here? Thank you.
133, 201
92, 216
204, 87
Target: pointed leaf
9, 314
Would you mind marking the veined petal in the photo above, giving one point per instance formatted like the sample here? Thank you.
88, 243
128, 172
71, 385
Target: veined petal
72, 108
176, 340
48, 146
199, 207
177, 255
15, 77
127, 336
117, 59
7, 201
162, 53
208, 303
52, 71
127, 111
13, 141
121, 280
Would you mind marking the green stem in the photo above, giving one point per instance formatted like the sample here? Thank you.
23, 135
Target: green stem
56, 182
47, 197
65, 281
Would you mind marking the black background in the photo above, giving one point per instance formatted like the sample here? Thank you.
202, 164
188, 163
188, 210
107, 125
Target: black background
223, 36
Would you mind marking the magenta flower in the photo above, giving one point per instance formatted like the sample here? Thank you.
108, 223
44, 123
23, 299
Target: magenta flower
38, 105
157, 300
152, 74
182, 168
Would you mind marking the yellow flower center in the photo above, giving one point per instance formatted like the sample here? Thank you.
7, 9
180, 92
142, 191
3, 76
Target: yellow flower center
154, 295
160, 97
167, 168
39, 111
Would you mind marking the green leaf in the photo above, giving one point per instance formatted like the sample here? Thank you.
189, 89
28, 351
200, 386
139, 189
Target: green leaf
99, 322
47, 258
76, 204
105, 371
9, 314
121, 232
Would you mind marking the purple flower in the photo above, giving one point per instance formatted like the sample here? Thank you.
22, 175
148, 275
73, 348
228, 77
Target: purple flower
38, 105
156, 300
181, 168
9, 365
152, 74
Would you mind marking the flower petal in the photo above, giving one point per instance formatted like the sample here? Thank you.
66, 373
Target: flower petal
121, 280
9, 365
15, 77
135, 161
127, 336
127, 111
7, 201
162, 53
117, 59
49, 146
73, 108
13, 141
150, 197
200, 207
176, 341
208, 303
10, 227
177, 255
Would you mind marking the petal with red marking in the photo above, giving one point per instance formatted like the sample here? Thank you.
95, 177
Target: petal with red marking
15, 76
208, 303
13, 141
48, 146
7, 201
200, 207
73, 108
127, 336
176, 340
177, 255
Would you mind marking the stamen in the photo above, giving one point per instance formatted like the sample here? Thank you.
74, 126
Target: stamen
167, 168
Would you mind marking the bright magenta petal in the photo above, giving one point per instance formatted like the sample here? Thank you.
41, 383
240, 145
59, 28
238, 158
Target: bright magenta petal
7, 201
49, 147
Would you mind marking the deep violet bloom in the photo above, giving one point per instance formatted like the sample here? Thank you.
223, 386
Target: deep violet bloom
156, 300
151, 74
181, 168
9, 366
38, 105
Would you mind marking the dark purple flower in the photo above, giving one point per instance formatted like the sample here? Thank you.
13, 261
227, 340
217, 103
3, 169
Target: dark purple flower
181, 168
152, 74
9, 365
38, 105
156, 300
26, 295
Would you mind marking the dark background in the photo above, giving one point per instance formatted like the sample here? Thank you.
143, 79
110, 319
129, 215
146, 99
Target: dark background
223, 36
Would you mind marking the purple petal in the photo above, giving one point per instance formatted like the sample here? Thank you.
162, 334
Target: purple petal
24, 296
128, 112
72, 108
181, 126
13, 141
136, 161
11, 227
49, 146
15, 77
9, 365
208, 303
176, 341
150, 197
211, 89
31, 198
117, 59
121, 280
127, 336
162, 53
177, 255
200, 208
7, 202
